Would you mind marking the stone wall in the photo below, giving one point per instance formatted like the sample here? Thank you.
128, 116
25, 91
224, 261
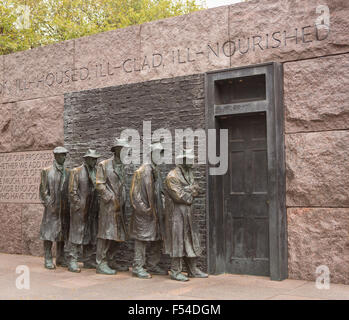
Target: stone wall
245, 33
33, 84
94, 118
316, 99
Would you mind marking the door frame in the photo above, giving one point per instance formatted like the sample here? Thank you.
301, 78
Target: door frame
273, 107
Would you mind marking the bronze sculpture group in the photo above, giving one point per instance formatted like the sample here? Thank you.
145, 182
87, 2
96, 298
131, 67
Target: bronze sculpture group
85, 210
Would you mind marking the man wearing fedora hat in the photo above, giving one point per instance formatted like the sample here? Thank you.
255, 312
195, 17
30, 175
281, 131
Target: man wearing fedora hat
182, 240
111, 186
146, 220
54, 196
83, 212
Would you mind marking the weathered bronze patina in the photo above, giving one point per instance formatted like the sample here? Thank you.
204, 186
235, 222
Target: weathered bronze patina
110, 183
54, 196
146, 220
182, 240
83, 212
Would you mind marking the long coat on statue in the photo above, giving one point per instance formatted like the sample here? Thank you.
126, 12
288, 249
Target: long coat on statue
146, 200
110, 184
54, 197
181, 239
83, 206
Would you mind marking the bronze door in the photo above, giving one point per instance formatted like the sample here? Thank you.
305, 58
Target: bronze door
245, 196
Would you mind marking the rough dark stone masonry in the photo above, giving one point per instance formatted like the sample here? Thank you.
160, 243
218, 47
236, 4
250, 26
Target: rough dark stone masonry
93, 118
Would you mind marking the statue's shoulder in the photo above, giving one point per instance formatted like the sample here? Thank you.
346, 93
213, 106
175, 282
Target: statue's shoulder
47, 169
173, 173
77, 169
144, 168
105, 163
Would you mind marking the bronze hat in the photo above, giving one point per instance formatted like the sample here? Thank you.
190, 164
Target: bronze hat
92, 154
120, 143
187, 153
60, 150
156, 145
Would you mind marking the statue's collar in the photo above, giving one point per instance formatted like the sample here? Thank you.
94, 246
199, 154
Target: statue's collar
59, 167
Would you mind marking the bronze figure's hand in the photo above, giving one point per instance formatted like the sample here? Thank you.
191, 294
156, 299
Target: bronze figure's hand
195, 189
108, 196
49, 201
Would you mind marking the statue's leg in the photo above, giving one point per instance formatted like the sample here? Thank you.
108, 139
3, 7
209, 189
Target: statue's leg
139, 260
103, 246
193, 270
73, 258
60, 257
48, 255
176, 270
154, 257
111, 255
89, 256
114, 250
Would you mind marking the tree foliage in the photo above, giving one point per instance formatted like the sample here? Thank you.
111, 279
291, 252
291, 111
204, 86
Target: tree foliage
26, 24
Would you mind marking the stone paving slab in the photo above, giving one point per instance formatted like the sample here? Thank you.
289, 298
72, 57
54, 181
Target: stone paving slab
61, 284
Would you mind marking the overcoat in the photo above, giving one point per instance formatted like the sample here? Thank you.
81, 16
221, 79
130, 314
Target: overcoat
146, 200
83, 206
54, 196
181, 238
110, 184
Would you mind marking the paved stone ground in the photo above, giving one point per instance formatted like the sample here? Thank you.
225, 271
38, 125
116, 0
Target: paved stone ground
61, 284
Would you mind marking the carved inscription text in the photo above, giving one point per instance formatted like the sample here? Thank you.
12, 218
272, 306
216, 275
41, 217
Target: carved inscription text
20, 175
233, 49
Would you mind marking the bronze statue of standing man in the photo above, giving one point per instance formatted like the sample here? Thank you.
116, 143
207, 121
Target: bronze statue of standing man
111, 186
182, 240
83, 212
54, 196
146, 220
